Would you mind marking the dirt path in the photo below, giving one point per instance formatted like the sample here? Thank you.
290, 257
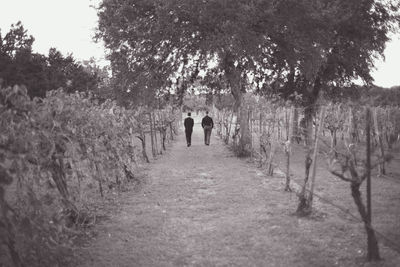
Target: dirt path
204, 207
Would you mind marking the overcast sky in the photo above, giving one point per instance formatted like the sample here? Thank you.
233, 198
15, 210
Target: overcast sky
68, 25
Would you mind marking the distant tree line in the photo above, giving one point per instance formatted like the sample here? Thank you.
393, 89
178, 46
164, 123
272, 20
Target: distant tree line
372, 95
41, 73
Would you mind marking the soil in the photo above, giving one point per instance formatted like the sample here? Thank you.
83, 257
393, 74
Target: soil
202, 206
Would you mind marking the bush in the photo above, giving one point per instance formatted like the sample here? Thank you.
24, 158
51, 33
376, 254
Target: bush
55, 153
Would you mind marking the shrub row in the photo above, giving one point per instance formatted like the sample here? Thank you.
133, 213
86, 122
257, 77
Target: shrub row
55, 154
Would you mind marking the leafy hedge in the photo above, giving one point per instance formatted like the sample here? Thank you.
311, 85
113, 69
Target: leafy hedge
55, 153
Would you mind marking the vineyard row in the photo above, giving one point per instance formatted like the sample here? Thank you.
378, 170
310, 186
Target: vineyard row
60, 153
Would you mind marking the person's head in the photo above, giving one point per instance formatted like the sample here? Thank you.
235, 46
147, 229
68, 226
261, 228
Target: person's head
206, 112
189, 114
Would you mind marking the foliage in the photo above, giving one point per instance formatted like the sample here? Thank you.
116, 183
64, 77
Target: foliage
224, 101
285, 46
40, 73
289, 43
194, 102
56, 153
332, 42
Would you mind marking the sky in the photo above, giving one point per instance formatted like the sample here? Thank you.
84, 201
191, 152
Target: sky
69, 26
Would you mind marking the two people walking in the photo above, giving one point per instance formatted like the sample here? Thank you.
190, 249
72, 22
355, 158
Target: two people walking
207, 124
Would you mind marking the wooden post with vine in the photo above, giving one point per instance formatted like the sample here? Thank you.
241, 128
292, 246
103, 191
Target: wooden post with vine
250, 113
152, 135
155, 133
314, 160
379, 141
288, 146
260, 132
368, 169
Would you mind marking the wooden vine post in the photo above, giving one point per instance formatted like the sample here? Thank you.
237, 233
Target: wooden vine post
170, 122
273, 134
163, 132
155, 133
368, 171
314, 159
379, 141
296, 133
288, 146
131, 133
152, 135
260, 132
251, 132
219, 129
350, 123
142, 138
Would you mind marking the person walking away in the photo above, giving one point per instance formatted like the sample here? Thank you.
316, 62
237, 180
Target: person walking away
207, 124
188, 123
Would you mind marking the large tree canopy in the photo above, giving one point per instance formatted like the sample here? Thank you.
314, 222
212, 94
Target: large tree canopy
281, 45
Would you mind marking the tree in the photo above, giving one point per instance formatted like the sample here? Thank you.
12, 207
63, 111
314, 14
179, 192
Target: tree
161, 40
40, 73
331, 43
18, 65
69, 74
327, 43
286, 45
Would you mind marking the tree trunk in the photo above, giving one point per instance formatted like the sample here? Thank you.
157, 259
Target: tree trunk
142, 139
233, 75
308, 117
244, 147
304, 207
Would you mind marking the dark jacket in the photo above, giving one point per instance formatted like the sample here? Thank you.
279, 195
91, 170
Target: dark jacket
207, 121
189, 122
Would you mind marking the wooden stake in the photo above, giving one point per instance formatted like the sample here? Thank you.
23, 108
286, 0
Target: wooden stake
251, 133
378, 136
152, 135
368, 166
314, 160
260, 131
288, 147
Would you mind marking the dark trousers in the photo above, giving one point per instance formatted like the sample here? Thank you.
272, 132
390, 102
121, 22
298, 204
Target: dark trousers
207, 135
188, 136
